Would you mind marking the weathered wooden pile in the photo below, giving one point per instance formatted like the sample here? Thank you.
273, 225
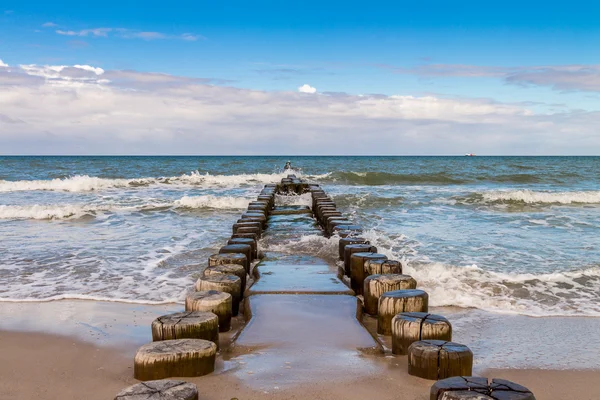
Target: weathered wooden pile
185, 344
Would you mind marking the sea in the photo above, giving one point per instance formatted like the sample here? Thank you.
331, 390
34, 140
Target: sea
516, 235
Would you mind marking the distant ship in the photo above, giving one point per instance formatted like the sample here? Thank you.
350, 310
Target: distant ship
470, 155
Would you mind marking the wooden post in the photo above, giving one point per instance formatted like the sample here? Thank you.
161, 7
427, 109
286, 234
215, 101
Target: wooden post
228, 269
181, 357
357, 269
229, 258
346, 230
411, 327
396, 302
187, 325
355, 248
476, 388
376, 285
249, 229
331, 222
219, 303
438, 359
256, 216
225, 283
160, 389
350, 240
247, 224
252, 236
382, 267
245, 249
250, 242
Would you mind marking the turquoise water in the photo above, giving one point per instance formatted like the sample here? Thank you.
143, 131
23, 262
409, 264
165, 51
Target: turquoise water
503, 234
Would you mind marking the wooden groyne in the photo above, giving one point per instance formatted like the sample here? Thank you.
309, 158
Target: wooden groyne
297, 308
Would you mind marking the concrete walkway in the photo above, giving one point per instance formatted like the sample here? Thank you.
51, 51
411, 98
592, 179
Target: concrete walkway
303, 322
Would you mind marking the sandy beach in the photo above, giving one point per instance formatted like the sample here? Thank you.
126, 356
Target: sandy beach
84, 349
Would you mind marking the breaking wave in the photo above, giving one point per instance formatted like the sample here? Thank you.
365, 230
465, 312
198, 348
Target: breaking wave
216, 202
566, 293
75, 211
386, 178
85, 183
532, 197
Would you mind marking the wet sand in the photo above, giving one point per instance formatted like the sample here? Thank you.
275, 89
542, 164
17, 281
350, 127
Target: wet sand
42, 366
84, 349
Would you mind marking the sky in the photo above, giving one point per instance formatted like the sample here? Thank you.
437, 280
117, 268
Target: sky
327, 77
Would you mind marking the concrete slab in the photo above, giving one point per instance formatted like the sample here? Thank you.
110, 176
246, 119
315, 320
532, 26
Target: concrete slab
292, 339
278, 277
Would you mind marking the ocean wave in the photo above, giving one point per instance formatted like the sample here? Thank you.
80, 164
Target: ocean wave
565, 293
75, 211
76, 296
42, 212
387, 178
86, 183
367, 200
216, 202
552, 294
531, 197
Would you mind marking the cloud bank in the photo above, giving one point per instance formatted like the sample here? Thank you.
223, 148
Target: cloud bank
559, 77
82, 109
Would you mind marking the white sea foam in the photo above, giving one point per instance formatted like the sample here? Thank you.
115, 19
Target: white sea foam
74, 296
74, 211
47, 211
217, 202
537, 197
561, 293
84, 183
553, 294
302, 200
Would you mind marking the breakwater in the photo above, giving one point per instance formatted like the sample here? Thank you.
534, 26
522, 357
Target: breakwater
295, 304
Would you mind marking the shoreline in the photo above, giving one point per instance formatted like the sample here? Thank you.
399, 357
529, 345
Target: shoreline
46, 366
499, 341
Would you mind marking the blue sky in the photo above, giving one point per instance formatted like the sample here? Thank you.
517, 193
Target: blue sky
537, 54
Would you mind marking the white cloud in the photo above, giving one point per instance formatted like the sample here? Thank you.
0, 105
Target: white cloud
86, 109
96, 32
307, 89
49, 25
190, 37
144, 35
2, 64
124, 33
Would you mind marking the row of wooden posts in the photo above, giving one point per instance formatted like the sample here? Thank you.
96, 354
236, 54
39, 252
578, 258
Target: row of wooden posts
402, 311
185, 344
